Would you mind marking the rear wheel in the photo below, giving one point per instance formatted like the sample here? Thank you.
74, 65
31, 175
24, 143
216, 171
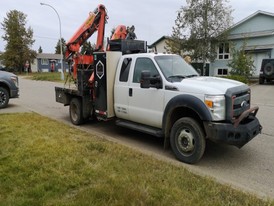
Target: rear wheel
187, 140
75, 111
269, 69
4, 97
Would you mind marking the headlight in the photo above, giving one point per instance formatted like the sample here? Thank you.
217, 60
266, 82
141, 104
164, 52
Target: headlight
15, 80
216, 104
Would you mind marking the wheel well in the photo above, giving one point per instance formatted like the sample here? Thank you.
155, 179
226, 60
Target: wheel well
5, 86
180, 112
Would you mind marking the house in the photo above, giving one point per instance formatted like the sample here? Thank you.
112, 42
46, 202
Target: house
159, 45
257, 31
48, 63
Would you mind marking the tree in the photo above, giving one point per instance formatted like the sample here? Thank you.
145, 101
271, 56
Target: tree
87, 48
242, 63
57, 47
19, 40
200, 25
40, 50
174, 43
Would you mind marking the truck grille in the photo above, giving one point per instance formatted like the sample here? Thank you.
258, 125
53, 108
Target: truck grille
241, 103
237, 101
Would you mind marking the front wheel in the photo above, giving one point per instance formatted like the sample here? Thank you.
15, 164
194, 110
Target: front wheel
75, 111
187, 140
4, 97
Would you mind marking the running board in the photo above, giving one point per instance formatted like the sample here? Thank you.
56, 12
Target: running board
140, 127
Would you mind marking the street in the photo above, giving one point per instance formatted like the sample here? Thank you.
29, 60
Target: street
250, 168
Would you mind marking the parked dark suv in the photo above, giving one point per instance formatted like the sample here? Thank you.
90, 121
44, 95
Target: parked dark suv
267, 71
8, 88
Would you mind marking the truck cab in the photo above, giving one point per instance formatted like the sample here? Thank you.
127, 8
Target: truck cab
162, 95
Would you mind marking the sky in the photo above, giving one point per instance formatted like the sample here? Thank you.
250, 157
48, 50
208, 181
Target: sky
152, 19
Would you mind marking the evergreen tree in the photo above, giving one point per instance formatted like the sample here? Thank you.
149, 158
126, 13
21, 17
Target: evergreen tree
57, 47
19, 40
242, 63
40, 50
87, 48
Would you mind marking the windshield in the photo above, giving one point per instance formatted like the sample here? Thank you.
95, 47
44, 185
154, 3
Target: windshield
175, 68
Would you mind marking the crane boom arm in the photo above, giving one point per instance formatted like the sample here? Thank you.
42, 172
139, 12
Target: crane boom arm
95, 22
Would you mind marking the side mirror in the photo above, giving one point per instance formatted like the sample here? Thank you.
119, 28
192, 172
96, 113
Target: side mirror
147, 81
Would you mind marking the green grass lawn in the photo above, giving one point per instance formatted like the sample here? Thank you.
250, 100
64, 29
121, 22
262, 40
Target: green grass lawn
46, 76
44, 162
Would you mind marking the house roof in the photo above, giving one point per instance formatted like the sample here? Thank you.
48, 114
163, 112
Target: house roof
261, 33
251, 34
251, 16
157, 41
48, 56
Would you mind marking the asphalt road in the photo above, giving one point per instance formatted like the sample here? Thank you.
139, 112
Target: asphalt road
250, 168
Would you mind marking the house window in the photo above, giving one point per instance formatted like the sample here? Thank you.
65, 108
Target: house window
44, 61
222, 72
223, 52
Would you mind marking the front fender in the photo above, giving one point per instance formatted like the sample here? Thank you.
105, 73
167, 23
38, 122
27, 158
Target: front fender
184, 101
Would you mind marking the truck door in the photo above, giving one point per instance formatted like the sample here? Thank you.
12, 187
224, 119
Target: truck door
145, 106
121, 91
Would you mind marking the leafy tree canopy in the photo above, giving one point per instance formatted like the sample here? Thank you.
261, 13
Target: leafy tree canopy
19, 40
198, 25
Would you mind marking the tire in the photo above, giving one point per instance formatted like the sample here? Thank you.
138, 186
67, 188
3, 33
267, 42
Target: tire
4, 97
261, 80
187, 140
268, 69
75, 111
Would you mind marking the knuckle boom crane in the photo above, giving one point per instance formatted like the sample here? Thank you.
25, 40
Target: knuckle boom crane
95, 23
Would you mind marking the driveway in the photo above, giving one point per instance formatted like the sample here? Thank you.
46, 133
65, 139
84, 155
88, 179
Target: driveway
250, 168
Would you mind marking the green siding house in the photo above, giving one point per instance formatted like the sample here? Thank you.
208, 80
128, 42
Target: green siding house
257, 30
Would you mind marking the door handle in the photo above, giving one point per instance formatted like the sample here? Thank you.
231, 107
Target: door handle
130, 92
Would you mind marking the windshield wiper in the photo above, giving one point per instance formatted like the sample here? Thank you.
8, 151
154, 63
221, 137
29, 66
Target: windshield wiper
191, 75
177, 76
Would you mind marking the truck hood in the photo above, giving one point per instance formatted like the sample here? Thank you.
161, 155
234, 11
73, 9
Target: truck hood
205, 85
6, 74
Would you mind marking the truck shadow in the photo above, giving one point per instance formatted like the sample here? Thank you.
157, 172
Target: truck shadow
219, 154
215, 154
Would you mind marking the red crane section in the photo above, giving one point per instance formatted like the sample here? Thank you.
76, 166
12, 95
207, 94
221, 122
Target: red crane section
95, 22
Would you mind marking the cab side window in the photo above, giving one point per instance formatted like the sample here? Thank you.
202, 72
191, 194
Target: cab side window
125, 70
141, 65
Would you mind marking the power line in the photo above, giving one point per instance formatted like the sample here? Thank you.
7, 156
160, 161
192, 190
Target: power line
45, 37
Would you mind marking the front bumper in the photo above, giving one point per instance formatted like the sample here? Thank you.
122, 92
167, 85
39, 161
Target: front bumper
244, 129
14, 93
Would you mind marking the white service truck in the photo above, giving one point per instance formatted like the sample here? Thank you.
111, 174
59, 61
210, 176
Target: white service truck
162, 95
